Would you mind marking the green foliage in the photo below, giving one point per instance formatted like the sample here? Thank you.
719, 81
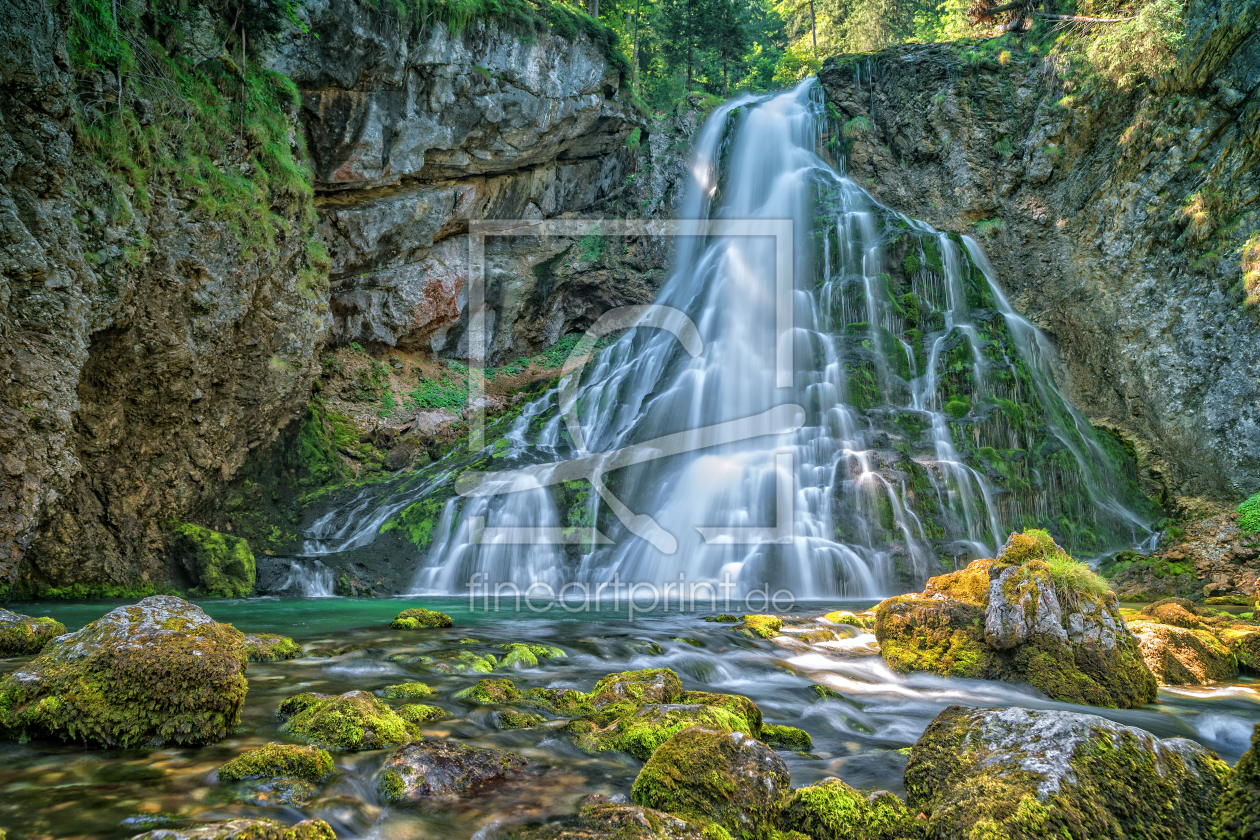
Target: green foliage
1249, 514
417, 520
220, 566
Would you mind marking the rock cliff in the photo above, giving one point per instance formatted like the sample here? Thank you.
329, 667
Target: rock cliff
148, 345
1116, 220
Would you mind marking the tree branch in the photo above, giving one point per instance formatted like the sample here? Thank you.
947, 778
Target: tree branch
1080, 19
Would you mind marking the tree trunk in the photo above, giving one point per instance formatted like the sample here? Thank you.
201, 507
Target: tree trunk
691, 32
634, 60
595, 9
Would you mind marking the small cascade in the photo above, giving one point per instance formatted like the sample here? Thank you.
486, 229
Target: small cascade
917, 425
295, 577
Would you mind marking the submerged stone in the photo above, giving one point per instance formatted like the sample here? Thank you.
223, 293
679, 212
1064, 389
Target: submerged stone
1029, 774
279, 761
22, 635
155, 672
615, 822
353, 721
271, 647
728, 778
245, 829
442, 768
417, 617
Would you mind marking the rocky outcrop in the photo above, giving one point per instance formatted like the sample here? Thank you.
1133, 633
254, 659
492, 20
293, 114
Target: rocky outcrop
1184, 643
1114, 220
415, 132
160, 671
1212, 560
146, 347
1033, 615
1022, 773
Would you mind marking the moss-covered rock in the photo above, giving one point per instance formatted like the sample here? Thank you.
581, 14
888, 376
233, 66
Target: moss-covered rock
22, 635
1179, 655
491, 691
353, 721
220, 566
639, 730
514, 719
418, 713
155, 672
442, 768
558, 701
1179, 612
981, 773
736, 704
408, 691
787, 737
1238, 810
723, 618
280, 761
833, 810
764, 626
1243, 641
709, 775
615, 822
245, 829
271, 647
418, 617
1043, 619
845, 617
520, 655
651, 685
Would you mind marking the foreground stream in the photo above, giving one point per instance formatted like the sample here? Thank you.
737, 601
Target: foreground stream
57, 790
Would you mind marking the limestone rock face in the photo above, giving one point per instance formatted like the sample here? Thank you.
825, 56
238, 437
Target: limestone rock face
160, 671
1010, 619
1022, 773
1098, 244
443, 768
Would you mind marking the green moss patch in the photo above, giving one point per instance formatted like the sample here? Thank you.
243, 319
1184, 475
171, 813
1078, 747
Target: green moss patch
418, 713
219, 565
418, 617
408, 691
353, 721
513, 719
765, 626
788, 737
488, 692
280, 761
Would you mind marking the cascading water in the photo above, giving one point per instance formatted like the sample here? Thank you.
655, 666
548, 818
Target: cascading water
919, 426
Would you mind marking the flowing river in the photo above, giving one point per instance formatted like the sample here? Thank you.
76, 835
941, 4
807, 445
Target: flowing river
53, 790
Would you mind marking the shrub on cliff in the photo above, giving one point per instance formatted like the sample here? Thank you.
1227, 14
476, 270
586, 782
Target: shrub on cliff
155, 672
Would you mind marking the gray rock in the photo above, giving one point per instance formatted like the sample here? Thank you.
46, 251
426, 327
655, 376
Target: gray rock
443, 768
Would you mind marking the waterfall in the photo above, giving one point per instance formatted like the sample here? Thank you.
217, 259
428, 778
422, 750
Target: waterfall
917, 424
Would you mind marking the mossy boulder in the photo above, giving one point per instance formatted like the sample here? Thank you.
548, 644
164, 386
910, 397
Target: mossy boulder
1238, 810
787, 737
22, 635
418, 713
520, 655
408, 691
418, 617
558, 701
219, 566
611, 821
488, 692
271, 647
280, 761
442, 768
353, 721
763, 626
736, 704
1243, 641
160, 671
651, 685
1043, 619
1179, 612
245, 829
851, 619
505, 719
715, 776
639, 730
1179, 655
834, 811
1024, 774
